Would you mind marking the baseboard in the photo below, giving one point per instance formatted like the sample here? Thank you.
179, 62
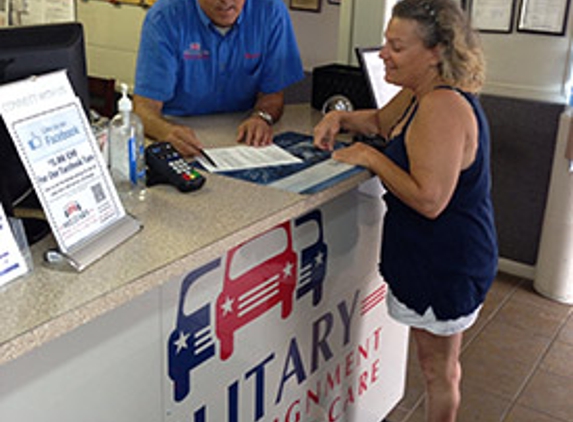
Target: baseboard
516, 268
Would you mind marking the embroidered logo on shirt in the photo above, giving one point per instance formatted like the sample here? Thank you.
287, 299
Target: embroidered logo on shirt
252, 55
194, 52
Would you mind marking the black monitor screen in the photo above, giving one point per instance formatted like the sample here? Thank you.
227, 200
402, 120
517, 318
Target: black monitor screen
27, 51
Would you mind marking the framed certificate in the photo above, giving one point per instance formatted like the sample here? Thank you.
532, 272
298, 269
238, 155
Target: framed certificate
543, 16
492, 15
305, 5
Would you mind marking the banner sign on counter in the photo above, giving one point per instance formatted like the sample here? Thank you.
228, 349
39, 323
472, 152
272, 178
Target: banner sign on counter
298, 329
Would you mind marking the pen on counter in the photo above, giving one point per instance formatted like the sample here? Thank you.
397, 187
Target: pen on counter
206, 157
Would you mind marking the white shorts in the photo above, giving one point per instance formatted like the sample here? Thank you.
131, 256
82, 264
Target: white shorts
401, 313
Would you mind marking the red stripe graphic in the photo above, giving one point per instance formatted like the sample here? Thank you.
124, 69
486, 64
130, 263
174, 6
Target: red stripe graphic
373, 299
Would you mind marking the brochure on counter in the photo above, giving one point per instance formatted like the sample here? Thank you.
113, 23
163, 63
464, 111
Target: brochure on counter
58, 149
292, 163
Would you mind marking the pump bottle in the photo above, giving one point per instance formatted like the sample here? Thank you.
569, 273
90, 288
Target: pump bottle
126, 149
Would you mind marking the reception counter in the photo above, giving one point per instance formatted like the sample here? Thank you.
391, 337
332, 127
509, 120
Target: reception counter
66, 338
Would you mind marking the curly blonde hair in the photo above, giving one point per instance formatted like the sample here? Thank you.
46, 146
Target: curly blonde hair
443, 23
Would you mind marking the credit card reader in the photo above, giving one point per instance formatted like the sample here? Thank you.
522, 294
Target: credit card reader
166, 166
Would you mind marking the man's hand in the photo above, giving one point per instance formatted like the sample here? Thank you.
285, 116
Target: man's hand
255, 131
184, 140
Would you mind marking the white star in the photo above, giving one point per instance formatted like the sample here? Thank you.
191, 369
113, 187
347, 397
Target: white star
318, 260
287, 271
227, 306
181, 342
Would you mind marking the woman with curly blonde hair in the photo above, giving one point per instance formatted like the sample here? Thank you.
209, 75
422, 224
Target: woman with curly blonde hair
439, 248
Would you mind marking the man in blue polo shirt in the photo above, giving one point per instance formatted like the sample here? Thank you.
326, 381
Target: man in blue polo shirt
209, 56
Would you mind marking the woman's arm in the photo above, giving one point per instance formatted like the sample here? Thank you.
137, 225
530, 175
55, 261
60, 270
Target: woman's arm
440, 142
366, 122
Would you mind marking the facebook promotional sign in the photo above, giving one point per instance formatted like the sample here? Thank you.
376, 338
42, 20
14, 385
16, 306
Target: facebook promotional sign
288, 326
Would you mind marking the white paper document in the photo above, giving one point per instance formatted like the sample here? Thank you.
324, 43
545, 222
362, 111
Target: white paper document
12, 263
244, 157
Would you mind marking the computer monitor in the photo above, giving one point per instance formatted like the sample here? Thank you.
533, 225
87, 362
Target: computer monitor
27, 51
373, 68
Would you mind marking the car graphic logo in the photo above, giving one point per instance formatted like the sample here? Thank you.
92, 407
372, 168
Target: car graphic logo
259, 275
191, 342
313, 259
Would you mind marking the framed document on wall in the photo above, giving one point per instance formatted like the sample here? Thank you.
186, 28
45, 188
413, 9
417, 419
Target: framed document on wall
305, 5
492, 15
543, 16
20, 12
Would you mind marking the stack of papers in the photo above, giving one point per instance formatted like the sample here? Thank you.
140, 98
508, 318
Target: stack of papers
245, 157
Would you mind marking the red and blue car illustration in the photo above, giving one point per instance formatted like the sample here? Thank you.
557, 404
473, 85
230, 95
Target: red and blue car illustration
257, 276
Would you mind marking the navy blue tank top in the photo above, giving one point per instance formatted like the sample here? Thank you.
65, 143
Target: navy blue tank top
447, 263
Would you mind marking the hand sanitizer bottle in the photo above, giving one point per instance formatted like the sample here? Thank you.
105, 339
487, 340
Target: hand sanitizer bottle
126, 149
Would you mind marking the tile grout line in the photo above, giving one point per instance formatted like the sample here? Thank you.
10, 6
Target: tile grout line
414, 407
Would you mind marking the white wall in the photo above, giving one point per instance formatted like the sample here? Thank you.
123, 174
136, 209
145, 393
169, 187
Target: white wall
112, 38
317, 34
362, 24
529, 66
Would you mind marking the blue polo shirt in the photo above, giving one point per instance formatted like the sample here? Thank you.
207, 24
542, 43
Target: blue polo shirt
186, 63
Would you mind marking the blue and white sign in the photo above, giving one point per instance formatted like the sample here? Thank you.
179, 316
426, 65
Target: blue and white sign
55, 142
289, 326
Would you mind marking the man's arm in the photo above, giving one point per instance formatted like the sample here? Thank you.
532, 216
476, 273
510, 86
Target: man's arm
257, 128
183, 138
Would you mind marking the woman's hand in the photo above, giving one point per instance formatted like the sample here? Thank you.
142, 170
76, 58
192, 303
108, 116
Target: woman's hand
357, 154
326, 130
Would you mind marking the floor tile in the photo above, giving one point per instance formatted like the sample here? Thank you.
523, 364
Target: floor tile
502, 288
398, 414
527, 293
509, 343
477, 405
418, 415
549, 394
497, 374
529, 311
566, 333
523, 414
558, 359
489, 308
480, 405
505, 283
414, 380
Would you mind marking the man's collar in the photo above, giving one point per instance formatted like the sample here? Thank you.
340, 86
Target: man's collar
207, 22
202, 15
